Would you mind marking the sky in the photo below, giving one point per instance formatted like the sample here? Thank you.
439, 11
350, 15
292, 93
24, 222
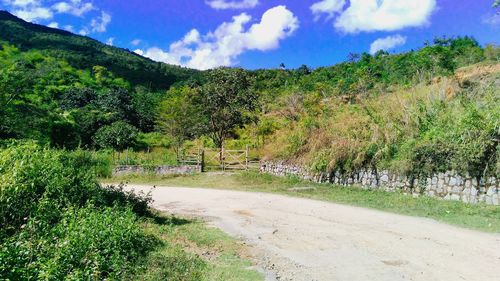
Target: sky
254, 34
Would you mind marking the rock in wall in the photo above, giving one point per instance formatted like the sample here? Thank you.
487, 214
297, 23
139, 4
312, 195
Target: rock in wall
448, 186
158, 170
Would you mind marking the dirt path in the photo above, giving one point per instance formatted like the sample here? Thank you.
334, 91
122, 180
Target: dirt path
301, 239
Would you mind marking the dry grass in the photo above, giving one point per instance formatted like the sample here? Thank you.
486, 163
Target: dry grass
330, 134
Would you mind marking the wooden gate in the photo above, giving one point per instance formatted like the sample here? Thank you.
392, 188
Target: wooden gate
212, 160
221, 159
225, 159
234, 159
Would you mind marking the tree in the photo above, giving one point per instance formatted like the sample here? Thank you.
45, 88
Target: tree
16, 81
492, 52
227, 102
119, 135
145, 108
117, 101
180, 115
77, 98
303, 70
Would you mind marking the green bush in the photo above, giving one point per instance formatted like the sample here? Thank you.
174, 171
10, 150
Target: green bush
119, 135
38, 182
100, 162
58, 223
89, 243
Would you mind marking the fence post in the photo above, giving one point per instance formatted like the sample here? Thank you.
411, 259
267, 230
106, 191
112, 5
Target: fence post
203, 160
198, 159
246, 157
222, 160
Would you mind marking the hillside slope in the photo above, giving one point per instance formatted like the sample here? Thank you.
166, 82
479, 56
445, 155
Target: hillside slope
84, 53
449, 123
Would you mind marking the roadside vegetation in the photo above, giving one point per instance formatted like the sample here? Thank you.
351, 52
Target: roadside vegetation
416, 113
71, 109
58, 223
478, 216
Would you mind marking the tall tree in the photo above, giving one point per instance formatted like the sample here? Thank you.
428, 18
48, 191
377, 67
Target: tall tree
228, 101
180, 115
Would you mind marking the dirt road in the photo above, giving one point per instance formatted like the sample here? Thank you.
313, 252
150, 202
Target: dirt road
301, 239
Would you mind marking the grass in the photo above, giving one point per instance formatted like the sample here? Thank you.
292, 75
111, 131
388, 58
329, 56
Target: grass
479, 216
190, 250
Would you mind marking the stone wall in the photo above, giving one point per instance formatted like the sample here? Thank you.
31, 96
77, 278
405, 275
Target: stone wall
158, 170
448, 186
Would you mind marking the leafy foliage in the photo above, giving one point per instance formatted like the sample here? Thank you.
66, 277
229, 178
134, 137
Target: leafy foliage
226, 101
57, 222
87, 243
223, 104
428, 129
47, 100
118, 135
179, 115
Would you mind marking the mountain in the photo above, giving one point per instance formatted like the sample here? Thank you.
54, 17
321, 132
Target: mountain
84, 53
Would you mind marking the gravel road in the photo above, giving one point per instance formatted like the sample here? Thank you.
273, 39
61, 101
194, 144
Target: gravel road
302, 239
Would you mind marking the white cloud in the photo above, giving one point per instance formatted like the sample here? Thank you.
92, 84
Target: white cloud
53, 24
329, 7
135, 42
84, 31
33, 13
110, 41
43, 11
100, 23
40, 11
222, 46
225, 4
139, 52
29, 10
492, 19
384, 15
74, 7
69, 28
387, 43
21, 3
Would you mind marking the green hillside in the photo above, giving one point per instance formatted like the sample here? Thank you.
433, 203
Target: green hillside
404, 112
84, 53
416, 113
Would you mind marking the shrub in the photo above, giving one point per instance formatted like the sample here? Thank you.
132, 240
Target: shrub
118, 135
100, 162
118, 196
58, 223
38, 182
89, 243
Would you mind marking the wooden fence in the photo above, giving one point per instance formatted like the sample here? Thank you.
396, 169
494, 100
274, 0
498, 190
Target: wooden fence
220, 159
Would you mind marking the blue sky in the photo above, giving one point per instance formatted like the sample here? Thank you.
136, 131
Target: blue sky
261, 34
